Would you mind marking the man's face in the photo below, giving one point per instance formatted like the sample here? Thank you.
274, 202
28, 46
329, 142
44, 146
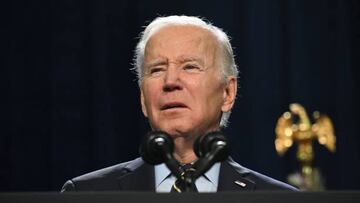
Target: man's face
183, 92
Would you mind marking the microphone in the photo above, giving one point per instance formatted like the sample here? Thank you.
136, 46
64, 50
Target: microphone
157, 147
211, 148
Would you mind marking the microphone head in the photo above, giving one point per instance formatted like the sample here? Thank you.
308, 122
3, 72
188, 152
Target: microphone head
155, 147
211, 142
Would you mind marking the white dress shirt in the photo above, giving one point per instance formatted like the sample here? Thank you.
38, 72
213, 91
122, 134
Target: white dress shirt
208, 182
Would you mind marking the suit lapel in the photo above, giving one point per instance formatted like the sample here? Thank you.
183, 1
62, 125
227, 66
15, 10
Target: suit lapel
232, 177
141, 178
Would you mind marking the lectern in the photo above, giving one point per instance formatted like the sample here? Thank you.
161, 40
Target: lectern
146, 197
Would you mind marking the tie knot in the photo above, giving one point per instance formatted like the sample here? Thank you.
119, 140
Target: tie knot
187, 169
185, 182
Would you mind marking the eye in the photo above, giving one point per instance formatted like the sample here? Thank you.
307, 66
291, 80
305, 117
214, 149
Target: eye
191, 68
156, 70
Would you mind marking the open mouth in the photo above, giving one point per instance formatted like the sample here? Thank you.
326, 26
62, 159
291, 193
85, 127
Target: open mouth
173, 105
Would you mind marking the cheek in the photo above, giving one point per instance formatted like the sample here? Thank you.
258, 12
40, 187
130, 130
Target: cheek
214, 96
151, 94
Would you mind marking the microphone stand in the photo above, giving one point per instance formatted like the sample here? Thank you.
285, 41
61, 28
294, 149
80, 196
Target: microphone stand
202, 165
174, 166
157, 147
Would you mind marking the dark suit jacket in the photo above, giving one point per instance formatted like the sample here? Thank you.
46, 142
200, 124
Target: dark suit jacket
136, 175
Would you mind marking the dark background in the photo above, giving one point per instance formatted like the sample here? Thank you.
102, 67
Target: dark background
69, 103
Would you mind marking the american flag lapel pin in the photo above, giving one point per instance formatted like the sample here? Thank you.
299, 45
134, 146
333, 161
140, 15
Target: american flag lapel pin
239, 183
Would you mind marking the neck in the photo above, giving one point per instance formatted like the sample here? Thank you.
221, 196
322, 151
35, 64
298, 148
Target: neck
185, 157
184, 152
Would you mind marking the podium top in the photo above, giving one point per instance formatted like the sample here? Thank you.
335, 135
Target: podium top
223, 197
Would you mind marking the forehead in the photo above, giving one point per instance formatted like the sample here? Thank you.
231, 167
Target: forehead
178, 37
192, 30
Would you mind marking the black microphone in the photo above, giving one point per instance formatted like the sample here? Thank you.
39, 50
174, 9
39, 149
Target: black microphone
211, 148
157, 147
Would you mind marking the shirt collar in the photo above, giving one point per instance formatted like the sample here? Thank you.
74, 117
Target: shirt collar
162, 172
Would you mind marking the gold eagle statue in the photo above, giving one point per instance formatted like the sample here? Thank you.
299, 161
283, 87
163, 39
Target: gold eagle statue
295, 126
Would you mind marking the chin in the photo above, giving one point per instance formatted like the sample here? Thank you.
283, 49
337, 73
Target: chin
178, 130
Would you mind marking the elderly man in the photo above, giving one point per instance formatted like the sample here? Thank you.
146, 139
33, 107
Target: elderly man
188, 82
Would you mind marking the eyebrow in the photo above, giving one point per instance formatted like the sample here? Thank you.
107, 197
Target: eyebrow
184, 59
180, 59
156, 62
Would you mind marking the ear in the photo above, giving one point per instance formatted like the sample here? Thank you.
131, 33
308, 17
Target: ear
229, 95
143, 107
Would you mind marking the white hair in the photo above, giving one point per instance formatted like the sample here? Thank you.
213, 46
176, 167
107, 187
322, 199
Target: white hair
228, 65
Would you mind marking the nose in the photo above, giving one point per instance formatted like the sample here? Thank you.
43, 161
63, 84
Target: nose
172, 80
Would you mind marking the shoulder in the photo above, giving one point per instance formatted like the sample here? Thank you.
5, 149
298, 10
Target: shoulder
261, 181
103, 179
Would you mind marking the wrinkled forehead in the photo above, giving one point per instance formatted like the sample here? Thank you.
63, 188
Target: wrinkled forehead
155, 27
169, 35
191, 29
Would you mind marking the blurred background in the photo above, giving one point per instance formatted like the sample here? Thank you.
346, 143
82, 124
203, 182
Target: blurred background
70, 105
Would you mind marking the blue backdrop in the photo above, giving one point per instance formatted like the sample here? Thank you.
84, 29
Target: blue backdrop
70, 105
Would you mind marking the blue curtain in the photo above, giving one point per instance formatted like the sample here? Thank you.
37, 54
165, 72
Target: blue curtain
70, 104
